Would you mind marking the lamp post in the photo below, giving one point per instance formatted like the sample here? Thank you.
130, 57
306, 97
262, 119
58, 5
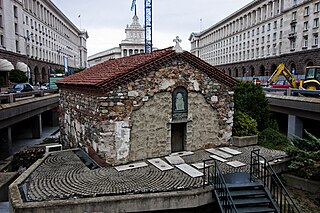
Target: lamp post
27, 38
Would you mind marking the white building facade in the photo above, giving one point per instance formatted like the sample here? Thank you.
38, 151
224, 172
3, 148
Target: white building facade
256, 38
132, 44
37, 34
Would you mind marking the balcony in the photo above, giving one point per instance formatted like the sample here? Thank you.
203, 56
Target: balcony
292, 35
293, 22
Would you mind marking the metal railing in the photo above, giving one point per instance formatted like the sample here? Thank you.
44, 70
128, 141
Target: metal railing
261, 170
212, 175
12, 97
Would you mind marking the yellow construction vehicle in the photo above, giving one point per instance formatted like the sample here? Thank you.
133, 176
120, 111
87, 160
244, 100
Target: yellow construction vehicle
312, 78
311, 81
282, 70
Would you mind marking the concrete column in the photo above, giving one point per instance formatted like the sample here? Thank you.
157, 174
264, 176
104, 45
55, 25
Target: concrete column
295, 126
37, 126
55, 117
5, 143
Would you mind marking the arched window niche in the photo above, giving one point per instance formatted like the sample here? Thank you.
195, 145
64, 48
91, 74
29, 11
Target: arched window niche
180, 104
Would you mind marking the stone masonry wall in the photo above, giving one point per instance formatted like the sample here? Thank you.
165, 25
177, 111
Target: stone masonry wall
133, 121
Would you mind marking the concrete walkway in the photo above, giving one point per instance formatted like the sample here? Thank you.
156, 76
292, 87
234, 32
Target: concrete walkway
4, 207
69, 177
24, 140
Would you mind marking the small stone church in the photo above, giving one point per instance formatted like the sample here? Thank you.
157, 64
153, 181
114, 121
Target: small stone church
147, 105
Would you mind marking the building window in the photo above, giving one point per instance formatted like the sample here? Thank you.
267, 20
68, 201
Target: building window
280, 35
305, 41
316, 23
27, 20
1, 23
1, 40
252, 34
305, 25
268, 38
258, 31
257, 41
262, 40
15, 11
269, 26
292, 44
17, 46
294, 15
293, 28
315, 40
281, 22
306, 11
275, 25
274, 36
16, 28
316, 7
262, 29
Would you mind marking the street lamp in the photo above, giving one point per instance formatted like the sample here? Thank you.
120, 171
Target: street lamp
26, 39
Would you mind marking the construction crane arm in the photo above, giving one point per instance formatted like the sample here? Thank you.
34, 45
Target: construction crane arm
282, 70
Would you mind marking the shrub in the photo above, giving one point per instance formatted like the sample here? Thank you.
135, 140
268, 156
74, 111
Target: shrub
273, 139
306, 153
244, 125
17, 76
250, 98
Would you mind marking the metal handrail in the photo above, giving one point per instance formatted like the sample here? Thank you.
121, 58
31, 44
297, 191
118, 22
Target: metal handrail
227, 204
261, 169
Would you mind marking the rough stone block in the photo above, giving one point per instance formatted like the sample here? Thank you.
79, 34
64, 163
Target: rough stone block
244, 141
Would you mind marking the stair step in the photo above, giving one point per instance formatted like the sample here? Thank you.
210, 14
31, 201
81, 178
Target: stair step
244, 185
245, 201
251, 192
254, 209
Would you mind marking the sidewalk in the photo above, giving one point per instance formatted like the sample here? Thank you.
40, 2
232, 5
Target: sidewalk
25, 140
4, 207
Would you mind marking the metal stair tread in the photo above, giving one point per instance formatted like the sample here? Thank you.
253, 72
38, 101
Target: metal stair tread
244, 185
258, 200
253, 209
247, 192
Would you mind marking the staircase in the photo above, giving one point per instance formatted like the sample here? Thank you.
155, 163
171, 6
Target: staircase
246, 196
258, 191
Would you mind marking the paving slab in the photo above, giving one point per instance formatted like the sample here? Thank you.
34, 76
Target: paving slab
235, 164
130, 166
219, 153
192, 172
174, 160
160, 164
218, 158
181, 154
230, 151
200, 165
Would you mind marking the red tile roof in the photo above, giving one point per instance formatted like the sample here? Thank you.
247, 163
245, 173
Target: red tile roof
108, 70
114, 72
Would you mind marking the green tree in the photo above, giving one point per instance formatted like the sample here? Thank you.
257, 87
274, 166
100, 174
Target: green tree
17, 76
251, 99
244, 125
273, 139
306, 153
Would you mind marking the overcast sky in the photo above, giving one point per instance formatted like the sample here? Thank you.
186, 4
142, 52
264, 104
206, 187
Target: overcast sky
106, 20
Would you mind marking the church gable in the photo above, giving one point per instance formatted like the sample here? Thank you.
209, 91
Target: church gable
170, 106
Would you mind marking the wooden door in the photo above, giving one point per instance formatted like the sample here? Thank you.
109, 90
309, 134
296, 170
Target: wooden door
177, 137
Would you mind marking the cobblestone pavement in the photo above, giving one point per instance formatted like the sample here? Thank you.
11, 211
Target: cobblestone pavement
63, 175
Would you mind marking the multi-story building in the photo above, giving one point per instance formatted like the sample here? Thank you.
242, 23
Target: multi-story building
37, 35
264, 33
133, 44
